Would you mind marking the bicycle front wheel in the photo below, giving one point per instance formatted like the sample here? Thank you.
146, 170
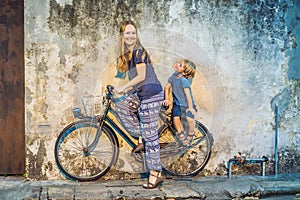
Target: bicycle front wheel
178, 160
77, 159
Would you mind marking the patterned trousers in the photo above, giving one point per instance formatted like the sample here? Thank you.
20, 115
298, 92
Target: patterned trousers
140, 118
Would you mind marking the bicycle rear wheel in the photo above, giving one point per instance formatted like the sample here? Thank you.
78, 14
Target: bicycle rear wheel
178, 160
73, 158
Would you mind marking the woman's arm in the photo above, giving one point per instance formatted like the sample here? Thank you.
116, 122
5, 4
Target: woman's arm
141, 75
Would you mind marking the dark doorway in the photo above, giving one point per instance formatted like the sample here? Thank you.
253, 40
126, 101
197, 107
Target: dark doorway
12, 128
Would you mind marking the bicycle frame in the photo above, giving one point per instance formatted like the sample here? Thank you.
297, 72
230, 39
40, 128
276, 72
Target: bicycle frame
106, 119
176, 159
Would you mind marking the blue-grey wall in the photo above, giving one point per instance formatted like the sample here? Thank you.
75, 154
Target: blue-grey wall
247, 56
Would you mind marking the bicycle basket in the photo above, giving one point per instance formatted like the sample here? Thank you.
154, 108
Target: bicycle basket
92, 105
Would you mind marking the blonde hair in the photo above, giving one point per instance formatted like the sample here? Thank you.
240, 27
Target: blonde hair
189, 69
124, 53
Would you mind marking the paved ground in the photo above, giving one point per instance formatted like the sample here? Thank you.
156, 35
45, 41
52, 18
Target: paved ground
280, 187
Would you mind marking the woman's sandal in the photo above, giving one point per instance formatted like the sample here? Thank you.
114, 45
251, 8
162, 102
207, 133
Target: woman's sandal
182, 138
157, 182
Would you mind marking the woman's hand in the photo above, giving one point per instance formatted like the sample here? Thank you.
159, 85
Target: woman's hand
166, 102
118, 90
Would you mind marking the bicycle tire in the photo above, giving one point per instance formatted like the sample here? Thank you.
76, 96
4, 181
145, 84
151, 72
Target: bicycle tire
77, 164
181, 161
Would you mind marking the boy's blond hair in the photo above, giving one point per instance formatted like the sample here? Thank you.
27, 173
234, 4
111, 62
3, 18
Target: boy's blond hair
189, 69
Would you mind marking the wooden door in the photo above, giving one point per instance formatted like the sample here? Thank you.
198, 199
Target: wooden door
12, 129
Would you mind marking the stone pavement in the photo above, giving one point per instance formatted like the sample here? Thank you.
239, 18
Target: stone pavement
281, 187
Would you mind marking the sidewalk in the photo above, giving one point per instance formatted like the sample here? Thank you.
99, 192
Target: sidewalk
214, 188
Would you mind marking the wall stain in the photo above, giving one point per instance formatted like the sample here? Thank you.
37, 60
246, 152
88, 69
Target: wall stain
84, 19
35, 162
74, 73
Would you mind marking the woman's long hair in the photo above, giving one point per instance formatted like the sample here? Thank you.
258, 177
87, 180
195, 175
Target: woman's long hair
125, 53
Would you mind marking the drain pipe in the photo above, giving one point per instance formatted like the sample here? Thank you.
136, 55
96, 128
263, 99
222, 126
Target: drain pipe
276, 141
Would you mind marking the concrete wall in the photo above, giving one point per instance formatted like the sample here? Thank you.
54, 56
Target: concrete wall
245, 53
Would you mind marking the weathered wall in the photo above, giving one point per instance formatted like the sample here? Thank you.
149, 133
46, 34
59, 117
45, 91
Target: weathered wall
245, 52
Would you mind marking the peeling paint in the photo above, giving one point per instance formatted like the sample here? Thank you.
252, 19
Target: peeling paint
35, 162
245, 52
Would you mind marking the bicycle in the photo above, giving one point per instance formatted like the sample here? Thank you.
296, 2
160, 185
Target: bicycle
85, 150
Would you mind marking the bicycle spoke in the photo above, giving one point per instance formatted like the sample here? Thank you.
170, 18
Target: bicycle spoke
181, 160
71, 147
170, 150
82, 136
87, 136
78, 136
75, 160
105, 155
72, 164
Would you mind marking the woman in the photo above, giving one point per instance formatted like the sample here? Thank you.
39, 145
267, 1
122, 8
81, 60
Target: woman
140, 109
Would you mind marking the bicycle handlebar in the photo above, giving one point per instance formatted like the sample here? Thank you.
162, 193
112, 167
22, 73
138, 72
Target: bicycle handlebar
111, 95
110, 89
